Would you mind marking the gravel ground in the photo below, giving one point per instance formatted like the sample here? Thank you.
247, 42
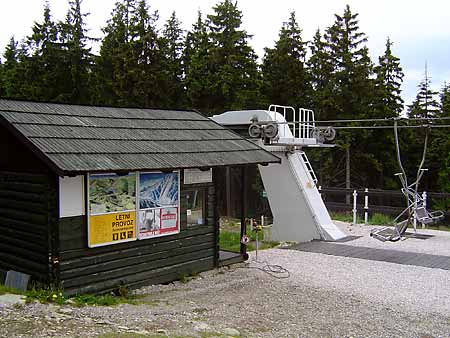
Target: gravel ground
324, 296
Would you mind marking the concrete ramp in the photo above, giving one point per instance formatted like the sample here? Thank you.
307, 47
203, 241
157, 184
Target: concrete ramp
297, 207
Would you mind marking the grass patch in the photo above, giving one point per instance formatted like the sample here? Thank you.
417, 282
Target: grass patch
103, 300
375, 219
54, 295
342, 216
380, 219
231, 241
5, 290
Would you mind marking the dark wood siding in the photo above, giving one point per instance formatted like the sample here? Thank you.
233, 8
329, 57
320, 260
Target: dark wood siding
133, 264
28, 205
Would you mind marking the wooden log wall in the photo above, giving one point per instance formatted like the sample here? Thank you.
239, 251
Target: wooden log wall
137, 263
28, 205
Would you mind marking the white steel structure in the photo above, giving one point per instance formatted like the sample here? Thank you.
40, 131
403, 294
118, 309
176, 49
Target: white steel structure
297, 207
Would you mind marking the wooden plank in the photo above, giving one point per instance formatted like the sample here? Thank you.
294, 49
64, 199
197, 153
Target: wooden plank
130, 261
164, 274
68, 259
73, 236
19, 206
21, 196
7, 176
137, 269
24, 215
20, 186
26, 265
15, 242
10, 223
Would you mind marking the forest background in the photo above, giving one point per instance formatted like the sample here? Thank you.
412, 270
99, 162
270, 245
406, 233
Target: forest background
212, 68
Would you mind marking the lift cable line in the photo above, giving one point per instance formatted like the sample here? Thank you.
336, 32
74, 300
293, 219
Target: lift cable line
386, 120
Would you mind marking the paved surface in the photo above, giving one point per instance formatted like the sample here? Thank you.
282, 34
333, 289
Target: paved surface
382, 255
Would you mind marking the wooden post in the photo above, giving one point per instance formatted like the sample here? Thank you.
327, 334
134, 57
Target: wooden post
228, 189
347, 173
243, 248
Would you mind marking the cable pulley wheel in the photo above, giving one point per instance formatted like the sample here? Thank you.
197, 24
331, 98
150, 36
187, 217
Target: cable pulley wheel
329, 133
254, 130
271, 130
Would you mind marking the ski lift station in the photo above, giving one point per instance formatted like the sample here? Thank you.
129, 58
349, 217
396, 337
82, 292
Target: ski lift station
95, 198
299, 213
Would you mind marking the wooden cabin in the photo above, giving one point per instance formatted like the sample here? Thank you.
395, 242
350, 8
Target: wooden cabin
94, 198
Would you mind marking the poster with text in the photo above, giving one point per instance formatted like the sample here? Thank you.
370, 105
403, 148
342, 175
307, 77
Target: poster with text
158, 198
112, 209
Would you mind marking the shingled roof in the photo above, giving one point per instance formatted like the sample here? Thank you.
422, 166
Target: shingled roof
75, 139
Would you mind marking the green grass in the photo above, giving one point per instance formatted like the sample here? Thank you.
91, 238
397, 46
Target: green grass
375, 219
380, 219
342, 216
55, 295
231, 241
5, 290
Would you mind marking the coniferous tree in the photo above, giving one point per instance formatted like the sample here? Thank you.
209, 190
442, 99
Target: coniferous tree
77, 55
148, 59
234, 76
439, 150
9, 70
389, 78
387, 104
173, 46
350, 96
197, 67
129, 69
425, 104
320, 69
45, 65
352, 67
285, 80
112, 74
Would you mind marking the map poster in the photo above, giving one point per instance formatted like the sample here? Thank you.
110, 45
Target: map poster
112, 209
158, 198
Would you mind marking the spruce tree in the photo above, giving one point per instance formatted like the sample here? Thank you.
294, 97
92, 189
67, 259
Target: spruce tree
10, 86
45, 64
77, 55
129, 68
352, 67
285, 80
389, 78
197, 66
234, 76
147, 65
351, 96
173, 46
320, 69
439, 150
425, 104
387, 104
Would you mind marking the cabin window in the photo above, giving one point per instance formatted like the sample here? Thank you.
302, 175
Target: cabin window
195, 201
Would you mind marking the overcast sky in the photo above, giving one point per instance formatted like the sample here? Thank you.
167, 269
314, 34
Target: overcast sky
420, 30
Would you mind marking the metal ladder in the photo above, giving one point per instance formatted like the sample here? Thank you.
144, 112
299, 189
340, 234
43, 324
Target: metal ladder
309, 167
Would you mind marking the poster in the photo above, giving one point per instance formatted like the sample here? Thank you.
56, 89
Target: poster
112, 209
158, 198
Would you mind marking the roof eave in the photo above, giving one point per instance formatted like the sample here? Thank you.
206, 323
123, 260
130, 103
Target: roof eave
28, 144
